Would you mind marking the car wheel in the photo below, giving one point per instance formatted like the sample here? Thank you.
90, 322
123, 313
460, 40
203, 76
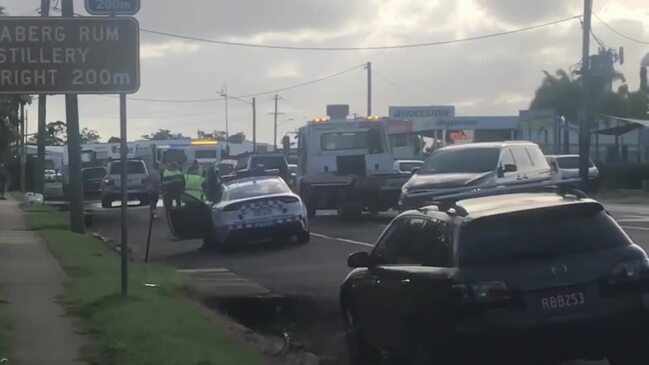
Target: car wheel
303, 237
360, 351
106, 203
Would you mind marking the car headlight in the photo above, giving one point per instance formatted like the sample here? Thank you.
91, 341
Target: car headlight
404, 189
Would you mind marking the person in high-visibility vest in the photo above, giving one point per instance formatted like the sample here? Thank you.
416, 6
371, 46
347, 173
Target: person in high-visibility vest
194, 185
174, 184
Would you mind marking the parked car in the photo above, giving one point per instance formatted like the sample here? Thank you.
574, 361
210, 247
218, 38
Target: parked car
137, 180
51, 176
565, 167
226, 167
474, 165
251, 209
407, 166
258, 164
92, 179
537, 275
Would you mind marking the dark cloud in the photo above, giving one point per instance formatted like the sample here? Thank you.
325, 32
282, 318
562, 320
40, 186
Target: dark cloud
530, 11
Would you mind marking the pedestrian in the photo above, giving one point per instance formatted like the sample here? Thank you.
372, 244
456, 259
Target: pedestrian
194, 182
154, 191
3, 181
173, 184
194, 169
212, 185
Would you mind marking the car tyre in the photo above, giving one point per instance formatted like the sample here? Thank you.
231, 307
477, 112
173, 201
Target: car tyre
303, 237
360, 351
106, 203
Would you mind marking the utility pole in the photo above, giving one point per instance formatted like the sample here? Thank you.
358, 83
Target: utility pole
369, 88
254, 125
42, 123
74, 191
23, 158
275, 125
584, 117
224, 93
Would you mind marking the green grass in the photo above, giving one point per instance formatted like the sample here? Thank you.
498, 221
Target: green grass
152, 325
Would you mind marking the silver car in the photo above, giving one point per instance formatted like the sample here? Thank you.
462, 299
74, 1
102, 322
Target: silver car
137, 180
566, 167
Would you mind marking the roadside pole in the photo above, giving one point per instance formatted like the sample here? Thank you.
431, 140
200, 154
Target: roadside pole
74, 191
275, 125
124, 187
42, 123
584, 117
254, 125
369, 88
23, 150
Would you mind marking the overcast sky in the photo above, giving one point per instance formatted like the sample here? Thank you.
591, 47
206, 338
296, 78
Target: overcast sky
496, 76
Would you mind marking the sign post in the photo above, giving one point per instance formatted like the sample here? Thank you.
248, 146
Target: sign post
92, 55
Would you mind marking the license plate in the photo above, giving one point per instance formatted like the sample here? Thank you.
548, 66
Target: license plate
262, 212
566, 301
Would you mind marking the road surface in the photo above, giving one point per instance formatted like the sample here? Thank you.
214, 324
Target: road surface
311, 273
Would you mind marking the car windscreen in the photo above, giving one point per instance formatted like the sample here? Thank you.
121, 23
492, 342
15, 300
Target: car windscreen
538, 234
461, 160
571, 162
134, 167
253, 188
408, 166
344, 141
269, 163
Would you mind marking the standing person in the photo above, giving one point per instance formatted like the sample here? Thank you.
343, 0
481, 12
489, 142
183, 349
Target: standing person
174, 185
3, 181
194, 169
154, 191
212, 185
194, 182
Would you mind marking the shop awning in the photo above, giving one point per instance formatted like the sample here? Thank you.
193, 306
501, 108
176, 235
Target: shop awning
630, 125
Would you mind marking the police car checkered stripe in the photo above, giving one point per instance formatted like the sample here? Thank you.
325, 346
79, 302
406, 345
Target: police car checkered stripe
263, 223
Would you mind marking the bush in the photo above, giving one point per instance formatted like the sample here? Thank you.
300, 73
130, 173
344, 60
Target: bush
628, 176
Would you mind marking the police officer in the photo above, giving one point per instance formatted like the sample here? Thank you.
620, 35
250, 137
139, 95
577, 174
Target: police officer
212, 185
194, 181
173, 184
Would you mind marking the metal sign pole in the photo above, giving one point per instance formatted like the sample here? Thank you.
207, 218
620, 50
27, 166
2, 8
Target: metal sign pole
124, 186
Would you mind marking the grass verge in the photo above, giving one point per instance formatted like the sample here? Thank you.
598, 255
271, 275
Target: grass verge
153, 325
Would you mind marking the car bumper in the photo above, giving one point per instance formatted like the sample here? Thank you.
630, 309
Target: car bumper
117, 193
588, 334
262, 229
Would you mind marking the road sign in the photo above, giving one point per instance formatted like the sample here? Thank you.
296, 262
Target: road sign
89, 55
112, 7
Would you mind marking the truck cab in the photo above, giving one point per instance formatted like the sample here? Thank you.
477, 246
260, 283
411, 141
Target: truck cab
347, 165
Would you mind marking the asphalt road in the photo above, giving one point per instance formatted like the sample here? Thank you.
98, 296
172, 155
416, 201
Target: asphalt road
313, 271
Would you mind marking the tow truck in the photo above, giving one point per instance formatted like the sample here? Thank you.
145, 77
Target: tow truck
347, 165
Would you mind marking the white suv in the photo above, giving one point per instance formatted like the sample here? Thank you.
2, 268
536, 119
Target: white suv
137, 180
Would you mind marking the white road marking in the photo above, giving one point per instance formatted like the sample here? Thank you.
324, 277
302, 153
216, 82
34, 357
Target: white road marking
343, 240
633, 218
635, 227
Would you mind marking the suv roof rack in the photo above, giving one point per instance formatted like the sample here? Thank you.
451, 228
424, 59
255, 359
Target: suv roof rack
447, 202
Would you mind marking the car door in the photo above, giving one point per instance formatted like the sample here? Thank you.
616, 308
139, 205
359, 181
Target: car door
540, 170
523, 163
191, 220
507, 158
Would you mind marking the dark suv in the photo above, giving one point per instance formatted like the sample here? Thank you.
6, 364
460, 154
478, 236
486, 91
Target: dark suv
546, 275
260, 164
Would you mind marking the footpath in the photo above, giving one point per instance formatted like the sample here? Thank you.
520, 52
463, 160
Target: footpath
31, 283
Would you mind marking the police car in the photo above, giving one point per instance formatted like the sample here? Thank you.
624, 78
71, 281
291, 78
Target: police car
251, 209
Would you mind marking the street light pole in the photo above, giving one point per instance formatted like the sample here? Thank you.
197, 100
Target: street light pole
584, 128
224, 93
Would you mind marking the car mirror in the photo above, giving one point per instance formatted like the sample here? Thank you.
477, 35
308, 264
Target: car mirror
510, 168
414, 171
359, 259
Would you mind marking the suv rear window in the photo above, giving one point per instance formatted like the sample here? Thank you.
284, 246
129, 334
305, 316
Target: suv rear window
461, 160
134, 167
538, 234
571, 162
269, 163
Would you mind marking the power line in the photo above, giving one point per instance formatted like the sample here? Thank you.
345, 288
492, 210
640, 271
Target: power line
397, 46
620, 33
384, 78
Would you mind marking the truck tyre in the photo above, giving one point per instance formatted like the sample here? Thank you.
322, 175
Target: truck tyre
106, 203
303, 237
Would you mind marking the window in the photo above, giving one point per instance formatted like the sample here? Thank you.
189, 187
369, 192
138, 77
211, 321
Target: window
205, 154
344, 141
571, 162
225, 168
242, 164
538, 159
399, 140
253, 188
506, 158
522, 158
134, 167
538, 233
461, 160
269, 163
416, 241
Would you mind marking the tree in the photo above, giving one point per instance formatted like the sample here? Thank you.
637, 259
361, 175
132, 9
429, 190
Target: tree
114, 140
55, 134
89, 136
560, 93
163, 134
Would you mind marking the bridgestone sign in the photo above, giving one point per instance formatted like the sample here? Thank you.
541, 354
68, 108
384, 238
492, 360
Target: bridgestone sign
69, 55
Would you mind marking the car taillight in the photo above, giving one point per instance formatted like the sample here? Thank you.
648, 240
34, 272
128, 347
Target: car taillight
288, 199
482, 292
231, 207
627, 272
